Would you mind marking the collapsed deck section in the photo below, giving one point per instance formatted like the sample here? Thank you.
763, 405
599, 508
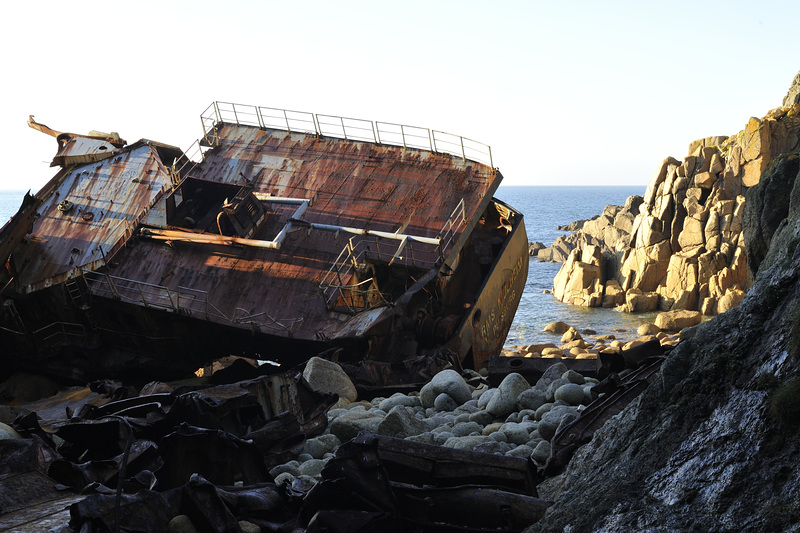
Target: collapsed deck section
339, 206
275, 240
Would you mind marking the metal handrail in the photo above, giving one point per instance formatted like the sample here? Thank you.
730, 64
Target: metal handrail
337, 286
182, 300
344, 128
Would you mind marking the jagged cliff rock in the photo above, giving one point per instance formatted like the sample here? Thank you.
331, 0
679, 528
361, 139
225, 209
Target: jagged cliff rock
685, 248
610, 231
712, 445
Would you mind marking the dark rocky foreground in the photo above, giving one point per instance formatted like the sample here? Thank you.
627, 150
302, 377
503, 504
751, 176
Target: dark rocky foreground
713, 444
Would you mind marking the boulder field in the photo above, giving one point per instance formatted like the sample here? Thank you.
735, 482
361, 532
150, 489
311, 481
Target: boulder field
515, 418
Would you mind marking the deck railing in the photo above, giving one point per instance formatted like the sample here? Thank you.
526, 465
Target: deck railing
182, 300
343, 128
343, 289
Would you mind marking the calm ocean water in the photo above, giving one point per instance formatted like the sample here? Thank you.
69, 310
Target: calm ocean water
544, 209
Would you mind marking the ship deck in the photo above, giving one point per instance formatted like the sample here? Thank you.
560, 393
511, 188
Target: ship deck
352, 184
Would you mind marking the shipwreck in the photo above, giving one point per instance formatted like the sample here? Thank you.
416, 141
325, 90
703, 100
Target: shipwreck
277, 236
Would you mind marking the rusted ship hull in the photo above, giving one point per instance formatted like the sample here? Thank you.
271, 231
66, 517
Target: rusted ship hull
280, 242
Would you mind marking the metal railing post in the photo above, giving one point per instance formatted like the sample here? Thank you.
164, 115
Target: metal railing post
403, 135
344, 131
259, 118
286, 118
432, 140
141, 293
169, 295
111, 286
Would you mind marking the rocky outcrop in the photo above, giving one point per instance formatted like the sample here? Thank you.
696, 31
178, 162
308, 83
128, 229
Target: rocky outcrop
712, 444
793, 96
685, 248
610, 232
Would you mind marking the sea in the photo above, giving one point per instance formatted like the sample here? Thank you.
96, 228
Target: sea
544, 208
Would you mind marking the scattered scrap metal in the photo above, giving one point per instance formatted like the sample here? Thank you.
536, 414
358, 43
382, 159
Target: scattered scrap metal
123, 462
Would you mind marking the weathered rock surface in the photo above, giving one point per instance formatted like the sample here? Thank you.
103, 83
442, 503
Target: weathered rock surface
712, 444
327, 376
678, 319
684, 240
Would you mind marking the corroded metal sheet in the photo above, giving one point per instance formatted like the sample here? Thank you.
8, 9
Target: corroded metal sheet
89, 214
353, 184
277, 244
81, 149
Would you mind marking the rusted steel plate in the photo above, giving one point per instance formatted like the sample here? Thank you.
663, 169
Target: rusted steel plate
88, 215
354, 184
79, 149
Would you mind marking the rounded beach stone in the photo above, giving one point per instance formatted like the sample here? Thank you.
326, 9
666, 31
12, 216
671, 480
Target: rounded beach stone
492, 446
453, 384
678, 319
553, 387
399, 399
327, 376
181, 524
542, 452
401, 423
462, 417
523, 451
516, 433
531, 398
552, 352
574, 377
482, 417
444, 402
466, 428
350, 424
553, 373
504, 401
647, 329
556, 327
492, 428
319, 446
466, 443
312, 468
427, 395
543, 410
292, 468
486, 397
550, 421
7, 432
572, 393
249, 527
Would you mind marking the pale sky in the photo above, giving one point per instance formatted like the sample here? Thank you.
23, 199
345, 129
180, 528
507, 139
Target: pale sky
566, 93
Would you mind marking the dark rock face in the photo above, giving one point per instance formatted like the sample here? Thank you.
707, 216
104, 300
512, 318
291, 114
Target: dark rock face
793, 96
766, 208
713, 444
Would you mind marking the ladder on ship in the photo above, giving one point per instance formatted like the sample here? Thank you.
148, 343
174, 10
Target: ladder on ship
76, 293
79, 292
